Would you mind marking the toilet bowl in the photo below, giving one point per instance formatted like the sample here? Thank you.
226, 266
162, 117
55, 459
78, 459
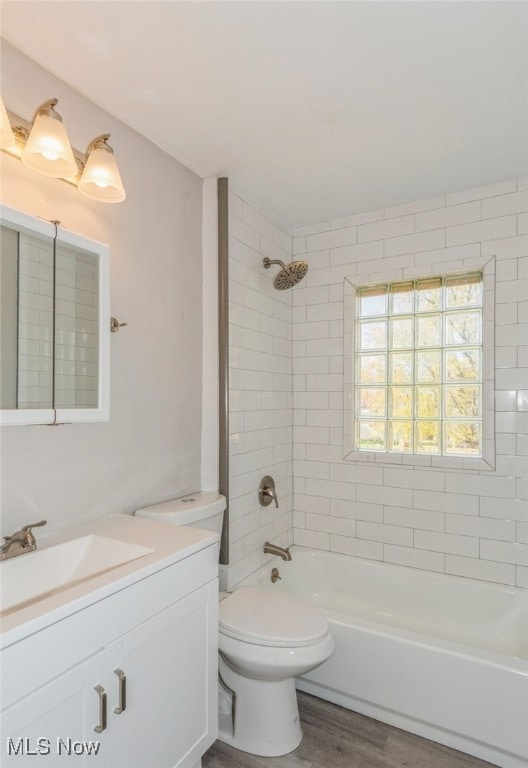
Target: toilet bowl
265, 640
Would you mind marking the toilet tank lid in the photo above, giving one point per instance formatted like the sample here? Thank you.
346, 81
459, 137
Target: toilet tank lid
187, 509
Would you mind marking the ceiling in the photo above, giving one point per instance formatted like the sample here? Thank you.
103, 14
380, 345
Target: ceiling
316, 109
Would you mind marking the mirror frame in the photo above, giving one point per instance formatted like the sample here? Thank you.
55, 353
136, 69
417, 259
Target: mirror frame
32, 225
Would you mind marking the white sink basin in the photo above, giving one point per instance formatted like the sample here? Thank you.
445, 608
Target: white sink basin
26, 579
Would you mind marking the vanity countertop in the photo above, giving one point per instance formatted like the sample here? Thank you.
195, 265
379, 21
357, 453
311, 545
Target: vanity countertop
163, 545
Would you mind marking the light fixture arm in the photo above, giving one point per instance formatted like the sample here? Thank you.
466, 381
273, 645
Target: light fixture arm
47, 109
21, 133
100, 143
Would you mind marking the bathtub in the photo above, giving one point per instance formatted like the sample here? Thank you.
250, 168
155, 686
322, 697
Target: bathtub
440, 656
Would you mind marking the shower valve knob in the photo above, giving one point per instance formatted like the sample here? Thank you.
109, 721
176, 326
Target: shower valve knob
267, 492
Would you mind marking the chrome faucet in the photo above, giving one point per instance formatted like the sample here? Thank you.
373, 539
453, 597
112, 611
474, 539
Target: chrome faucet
274, 549
21, 542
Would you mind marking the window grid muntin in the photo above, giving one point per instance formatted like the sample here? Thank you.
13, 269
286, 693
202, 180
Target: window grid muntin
443, 423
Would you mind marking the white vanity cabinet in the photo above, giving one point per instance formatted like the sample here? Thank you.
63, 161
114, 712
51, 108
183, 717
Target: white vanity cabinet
32, 727
168, 692
62, 683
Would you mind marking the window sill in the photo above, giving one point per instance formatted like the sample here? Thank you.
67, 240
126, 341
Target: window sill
416, 461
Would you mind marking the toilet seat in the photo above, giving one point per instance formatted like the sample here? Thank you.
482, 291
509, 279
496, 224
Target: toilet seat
263, 617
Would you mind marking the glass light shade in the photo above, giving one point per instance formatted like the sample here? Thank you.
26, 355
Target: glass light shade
48, 149
7, 137
100, 179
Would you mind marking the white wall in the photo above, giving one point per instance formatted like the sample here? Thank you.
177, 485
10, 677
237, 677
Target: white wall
260, 387
459, 521
150, 448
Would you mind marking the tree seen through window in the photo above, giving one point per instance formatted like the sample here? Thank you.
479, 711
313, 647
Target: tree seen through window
418, 366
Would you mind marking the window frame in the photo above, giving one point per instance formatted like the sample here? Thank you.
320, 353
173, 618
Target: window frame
484, 462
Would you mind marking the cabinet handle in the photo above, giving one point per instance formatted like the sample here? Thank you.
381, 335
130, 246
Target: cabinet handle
122, 691
102, 709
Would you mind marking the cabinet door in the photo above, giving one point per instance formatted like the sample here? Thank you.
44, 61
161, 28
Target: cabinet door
170, 663
54, 726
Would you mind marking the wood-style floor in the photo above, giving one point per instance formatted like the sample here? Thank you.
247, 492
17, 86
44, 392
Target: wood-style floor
338, 738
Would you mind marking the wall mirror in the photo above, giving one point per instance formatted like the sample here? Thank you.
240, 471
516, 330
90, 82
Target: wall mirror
55, 323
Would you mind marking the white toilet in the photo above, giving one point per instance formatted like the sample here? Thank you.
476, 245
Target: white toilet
266, 639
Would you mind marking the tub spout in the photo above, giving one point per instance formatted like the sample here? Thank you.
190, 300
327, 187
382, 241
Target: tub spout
274, 549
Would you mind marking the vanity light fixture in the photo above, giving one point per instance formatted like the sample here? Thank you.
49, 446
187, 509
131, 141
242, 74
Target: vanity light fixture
43, 146
48, 149
100, 178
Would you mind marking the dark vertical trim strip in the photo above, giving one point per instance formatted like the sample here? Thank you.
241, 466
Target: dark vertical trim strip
17, 343
53, 328
223, 359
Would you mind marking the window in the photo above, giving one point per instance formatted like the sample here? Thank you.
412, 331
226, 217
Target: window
418, 366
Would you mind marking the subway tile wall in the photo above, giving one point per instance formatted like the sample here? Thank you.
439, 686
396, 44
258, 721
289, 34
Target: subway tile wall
260, 388
76, 329
453, 520
76, 326
35, 322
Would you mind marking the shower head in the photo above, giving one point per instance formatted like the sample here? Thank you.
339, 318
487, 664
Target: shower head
289, 275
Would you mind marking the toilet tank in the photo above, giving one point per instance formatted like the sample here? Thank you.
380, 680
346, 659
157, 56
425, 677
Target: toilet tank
203, 509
